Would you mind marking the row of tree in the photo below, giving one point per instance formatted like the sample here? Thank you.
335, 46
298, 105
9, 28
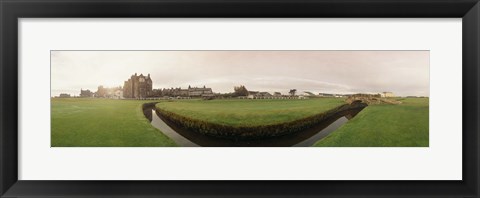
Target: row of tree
240, 91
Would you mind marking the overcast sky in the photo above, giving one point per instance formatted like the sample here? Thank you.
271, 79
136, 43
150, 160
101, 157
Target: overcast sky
402, 72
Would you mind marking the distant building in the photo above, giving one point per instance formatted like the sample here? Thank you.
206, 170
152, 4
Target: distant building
200, 92
307, 93
264, 94
326, 95
85, 93
387, 94
113, 92
174, 92
138, 86
64, 95
189, 92
277, 94
257, 94
157, 93
118, 94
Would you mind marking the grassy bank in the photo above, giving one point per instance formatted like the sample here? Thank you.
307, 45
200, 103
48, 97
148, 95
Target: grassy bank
249, 119
243, 113
102, 122
403, 125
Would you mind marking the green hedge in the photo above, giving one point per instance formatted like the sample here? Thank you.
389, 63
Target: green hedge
252, 132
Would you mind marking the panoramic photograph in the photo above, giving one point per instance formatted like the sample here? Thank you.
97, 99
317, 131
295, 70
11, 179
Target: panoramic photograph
249, 98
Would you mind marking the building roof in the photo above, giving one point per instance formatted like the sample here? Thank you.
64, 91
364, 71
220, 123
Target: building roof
199, 89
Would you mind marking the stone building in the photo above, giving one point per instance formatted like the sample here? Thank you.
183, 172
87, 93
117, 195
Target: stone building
157, 93
174, 92
189, 92
200, 92
85, 93
138, 86
64, 95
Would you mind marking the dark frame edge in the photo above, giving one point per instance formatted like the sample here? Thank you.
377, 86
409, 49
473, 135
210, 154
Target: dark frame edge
241, 8
3, 184
8, 122
9, 114
471, 44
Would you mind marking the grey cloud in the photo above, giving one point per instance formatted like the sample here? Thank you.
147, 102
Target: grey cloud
402, 72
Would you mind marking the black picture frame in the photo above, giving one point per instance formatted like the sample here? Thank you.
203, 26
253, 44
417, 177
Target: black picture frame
12, 10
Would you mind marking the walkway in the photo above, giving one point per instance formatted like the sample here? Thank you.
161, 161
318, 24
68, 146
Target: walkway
160, 124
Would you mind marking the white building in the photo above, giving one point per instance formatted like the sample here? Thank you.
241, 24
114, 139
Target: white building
387, 95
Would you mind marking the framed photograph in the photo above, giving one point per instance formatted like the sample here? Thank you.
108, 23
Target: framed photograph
260, 98
254, 98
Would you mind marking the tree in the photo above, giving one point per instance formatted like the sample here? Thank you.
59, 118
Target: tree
240, 91
292, 92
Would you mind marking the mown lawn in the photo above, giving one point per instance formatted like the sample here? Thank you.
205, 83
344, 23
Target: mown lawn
246, 112
403, 125
86, 122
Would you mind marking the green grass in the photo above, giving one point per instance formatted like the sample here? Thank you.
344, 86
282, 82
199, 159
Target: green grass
403, 125
121, 123
238, 112
102, 123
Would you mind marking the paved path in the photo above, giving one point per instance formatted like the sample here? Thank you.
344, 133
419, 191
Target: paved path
172, 134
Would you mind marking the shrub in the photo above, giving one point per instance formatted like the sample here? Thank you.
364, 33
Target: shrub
252, 132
